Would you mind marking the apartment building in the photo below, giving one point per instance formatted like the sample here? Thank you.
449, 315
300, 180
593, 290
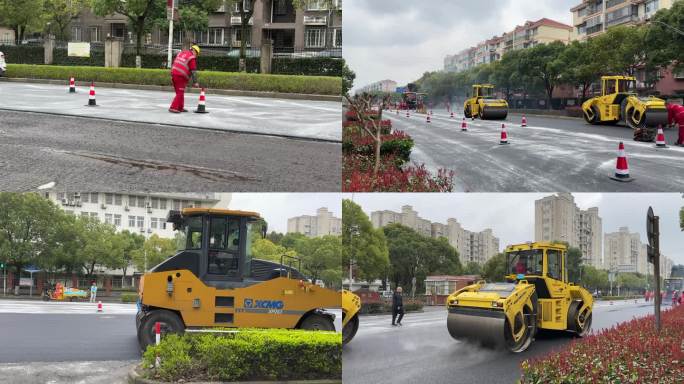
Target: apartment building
528, 35
623, 251
315, 28
593, 17
471, 246
558, 218
383, 86
324, 223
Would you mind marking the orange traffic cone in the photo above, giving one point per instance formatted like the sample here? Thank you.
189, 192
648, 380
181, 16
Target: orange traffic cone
660, 138
464, 125
201, 106
504, 136
91, 97
428, 119
452, 115
72, 85
524, 121
407, 113
99, 306
621, 168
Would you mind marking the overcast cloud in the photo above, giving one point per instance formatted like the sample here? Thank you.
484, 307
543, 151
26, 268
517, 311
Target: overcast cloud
400, 40
276, 208
511, 215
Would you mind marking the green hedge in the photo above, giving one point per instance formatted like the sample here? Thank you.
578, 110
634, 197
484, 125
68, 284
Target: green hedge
213, 80
61, 57
129, 297
28, 54
272, 354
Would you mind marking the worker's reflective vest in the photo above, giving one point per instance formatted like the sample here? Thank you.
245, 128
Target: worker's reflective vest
184, 64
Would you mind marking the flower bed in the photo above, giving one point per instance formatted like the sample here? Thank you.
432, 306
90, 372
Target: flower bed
397, 144
631, 352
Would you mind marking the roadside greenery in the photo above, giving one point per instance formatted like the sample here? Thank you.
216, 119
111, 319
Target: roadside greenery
362, 244
317, 85
631, 352
269, 354
539, 70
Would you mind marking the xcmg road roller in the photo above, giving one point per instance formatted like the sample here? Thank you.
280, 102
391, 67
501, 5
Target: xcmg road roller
484, 104
536, 295
618, 102
351, 304
215, 282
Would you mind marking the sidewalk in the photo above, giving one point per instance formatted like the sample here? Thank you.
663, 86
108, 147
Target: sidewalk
95, 372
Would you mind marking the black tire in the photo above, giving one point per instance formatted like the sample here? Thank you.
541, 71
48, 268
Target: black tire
349, 330
170, 323
466, 112
623, 109
315, 322
628, 120
579, 323
522, 320
595, 118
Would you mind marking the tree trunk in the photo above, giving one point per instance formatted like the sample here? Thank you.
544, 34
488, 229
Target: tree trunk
123, 278
242, 65
549, 96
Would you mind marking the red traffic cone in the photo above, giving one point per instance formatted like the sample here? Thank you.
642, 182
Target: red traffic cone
407, 113
201, 105
72, 85
452, 115
504, 135
91, 97
99, 306
464, 125
660, 138
524, 121
621, 168
428, 119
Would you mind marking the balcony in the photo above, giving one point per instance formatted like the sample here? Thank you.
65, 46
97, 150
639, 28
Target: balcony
236, 20
315, 20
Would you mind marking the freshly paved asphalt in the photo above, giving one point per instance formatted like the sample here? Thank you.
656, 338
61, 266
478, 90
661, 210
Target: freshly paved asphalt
550, 154
422, 351
94, 154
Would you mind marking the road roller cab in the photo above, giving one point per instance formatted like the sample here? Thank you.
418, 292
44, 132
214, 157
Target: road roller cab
618, 102
484, 104
536, 295
215, 282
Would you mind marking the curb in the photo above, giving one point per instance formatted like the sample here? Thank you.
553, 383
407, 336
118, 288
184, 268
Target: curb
544, 115
166, 88
135, 378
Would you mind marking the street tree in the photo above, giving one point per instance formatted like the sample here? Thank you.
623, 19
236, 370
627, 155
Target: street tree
362, 244
154, 251
60, 13
573, 262
21, 16
348, 77
594, 279
193, 15
27, 228
664, 37
321, 259
244, 9
681, 218
141, 15
472, 268
543, 62
495, 268
265, 249
125, 243
581, 67
98, 246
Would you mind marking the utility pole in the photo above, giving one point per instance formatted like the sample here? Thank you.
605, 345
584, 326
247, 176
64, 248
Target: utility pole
653, 254
170, 16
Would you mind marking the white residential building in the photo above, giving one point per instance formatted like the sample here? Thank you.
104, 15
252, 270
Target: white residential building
324, 223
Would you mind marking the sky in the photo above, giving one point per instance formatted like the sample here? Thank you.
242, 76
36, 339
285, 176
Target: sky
400, 40
276, 208
511, 215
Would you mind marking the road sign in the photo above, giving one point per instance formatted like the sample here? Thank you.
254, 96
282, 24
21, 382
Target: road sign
653, 253
25, 281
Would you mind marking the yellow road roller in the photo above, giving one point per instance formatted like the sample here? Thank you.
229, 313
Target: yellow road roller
536, 295
484, 104
215, 282
618, 102
351, 304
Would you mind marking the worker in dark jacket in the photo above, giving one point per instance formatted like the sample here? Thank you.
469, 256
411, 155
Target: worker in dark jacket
397, 307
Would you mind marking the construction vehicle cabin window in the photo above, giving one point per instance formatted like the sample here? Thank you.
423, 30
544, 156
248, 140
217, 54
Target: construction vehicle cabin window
224, 246
193, 233
526, 262
554, 264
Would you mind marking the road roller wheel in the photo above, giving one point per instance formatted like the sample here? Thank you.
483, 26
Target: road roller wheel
316, 322
466, 112
593, 119
350, 329
481, 113
579, 322
169, 321
519, 336
634, 121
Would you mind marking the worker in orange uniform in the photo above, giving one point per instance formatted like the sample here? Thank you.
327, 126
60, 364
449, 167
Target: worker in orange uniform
184, 68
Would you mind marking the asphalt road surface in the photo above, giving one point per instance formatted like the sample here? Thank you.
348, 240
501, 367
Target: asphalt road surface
105, 155
550, 154
422, 351
62, 342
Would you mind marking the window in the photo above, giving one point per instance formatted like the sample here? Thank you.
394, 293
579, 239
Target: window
316, 5
84, 214
224, 242
554, 264
246, 4
193, 232
155, 202
94, 198
95, 34
216, 36
187, 204
162, 223
117, 220
527, 262
131, 221
94, 215
118, 30
280, 7
153, 223
109, 218
109, 198
117, 199
141, 222
315, 38
237, 35
337, 38
650, 8
176, 205
84, 197
76, 33
197, 204
162, 203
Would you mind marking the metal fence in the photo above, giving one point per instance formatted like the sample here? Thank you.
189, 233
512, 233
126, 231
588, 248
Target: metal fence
232, 51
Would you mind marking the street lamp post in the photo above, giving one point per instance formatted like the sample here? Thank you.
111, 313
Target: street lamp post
668, 26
